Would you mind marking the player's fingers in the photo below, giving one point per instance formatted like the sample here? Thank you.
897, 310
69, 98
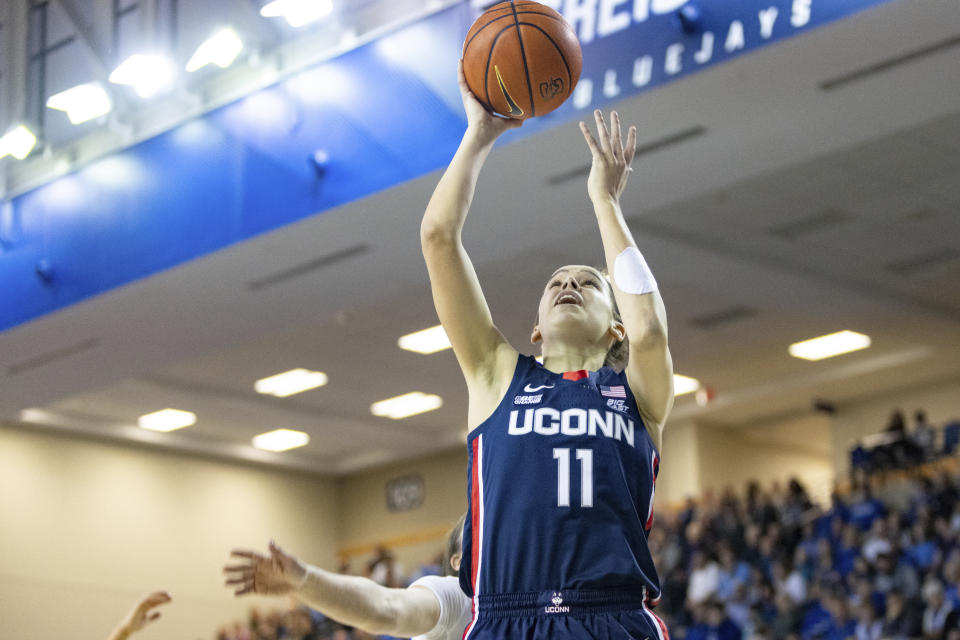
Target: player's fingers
158, 597
239, 568
243, 553
631, 148
602, 132
153, 616
245, 590
591, 141
233, 581
616, 137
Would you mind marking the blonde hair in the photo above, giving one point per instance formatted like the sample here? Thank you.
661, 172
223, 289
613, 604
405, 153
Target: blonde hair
619, 353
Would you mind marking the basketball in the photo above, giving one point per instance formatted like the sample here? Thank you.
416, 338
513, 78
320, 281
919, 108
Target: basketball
521, 59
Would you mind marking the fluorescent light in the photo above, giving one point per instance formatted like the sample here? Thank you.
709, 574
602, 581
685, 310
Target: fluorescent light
18, 143
281, 440
684, 384
298, 12
830, 345
290, 382
221, 49
147, 74
427, 341
83, 102
167, 420
409, 404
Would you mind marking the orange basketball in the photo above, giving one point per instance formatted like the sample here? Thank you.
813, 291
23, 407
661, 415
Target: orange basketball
521, 59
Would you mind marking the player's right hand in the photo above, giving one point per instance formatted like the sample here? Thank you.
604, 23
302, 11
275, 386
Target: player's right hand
277, 574
487, 125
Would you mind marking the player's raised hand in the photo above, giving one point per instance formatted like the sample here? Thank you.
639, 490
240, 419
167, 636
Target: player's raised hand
611, 158
141, 615
484, 123
277, 574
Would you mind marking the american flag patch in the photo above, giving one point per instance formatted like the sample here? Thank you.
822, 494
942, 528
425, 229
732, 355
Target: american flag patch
617, 391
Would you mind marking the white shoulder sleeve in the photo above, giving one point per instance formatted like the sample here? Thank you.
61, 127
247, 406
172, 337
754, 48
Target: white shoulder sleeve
455, 610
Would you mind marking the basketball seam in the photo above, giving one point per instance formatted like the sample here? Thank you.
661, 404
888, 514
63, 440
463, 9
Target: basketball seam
486, 74
526, 68
536, 13
557, 47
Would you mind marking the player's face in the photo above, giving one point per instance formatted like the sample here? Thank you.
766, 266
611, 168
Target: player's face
576, 303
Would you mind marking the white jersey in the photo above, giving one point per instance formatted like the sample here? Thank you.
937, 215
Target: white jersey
455, 612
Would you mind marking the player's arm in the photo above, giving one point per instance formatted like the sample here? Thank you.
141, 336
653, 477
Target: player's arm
352, 600
650, 367
457, 295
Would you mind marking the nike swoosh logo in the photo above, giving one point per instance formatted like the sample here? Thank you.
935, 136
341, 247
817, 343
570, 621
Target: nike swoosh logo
529, 389
515, 110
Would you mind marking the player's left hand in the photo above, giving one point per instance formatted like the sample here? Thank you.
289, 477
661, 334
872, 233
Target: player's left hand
611, 158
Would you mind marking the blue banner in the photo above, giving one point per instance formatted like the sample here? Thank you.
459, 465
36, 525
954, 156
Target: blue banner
382, 114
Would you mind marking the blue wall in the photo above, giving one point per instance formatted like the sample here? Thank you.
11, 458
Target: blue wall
384, 113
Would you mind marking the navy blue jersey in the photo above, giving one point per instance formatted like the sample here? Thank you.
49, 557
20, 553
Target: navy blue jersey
560, 485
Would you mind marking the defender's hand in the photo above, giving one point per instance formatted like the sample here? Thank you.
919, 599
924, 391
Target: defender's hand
143, 614
278, 574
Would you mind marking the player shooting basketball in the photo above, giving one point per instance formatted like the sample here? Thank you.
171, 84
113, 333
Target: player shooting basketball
563, 456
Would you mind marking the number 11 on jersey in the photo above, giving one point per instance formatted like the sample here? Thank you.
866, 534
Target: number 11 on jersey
585, 456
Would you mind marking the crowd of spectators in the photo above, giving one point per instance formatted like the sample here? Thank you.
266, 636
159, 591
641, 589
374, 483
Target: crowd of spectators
773, 564
898, 447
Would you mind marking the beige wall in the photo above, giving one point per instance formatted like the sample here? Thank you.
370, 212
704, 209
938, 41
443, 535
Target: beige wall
700, 456
853, 421
679, 476
86, 528
733, 458
417, 535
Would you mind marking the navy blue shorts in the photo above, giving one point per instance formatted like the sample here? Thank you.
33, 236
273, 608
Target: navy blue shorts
573, 615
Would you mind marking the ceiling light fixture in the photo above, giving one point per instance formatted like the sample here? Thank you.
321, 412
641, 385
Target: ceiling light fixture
82, 103
147, 74
290, 382
221, 49
684, 384
17, 142
426, 341
281, 440
409, 404
828, 346
298, 12
167, 420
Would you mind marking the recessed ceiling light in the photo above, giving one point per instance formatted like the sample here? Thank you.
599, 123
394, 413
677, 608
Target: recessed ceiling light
290, 382
221, 49
83, 102
684, 384
426, 341
298, 12
281, 440
167, 420
409, 404
830, 345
